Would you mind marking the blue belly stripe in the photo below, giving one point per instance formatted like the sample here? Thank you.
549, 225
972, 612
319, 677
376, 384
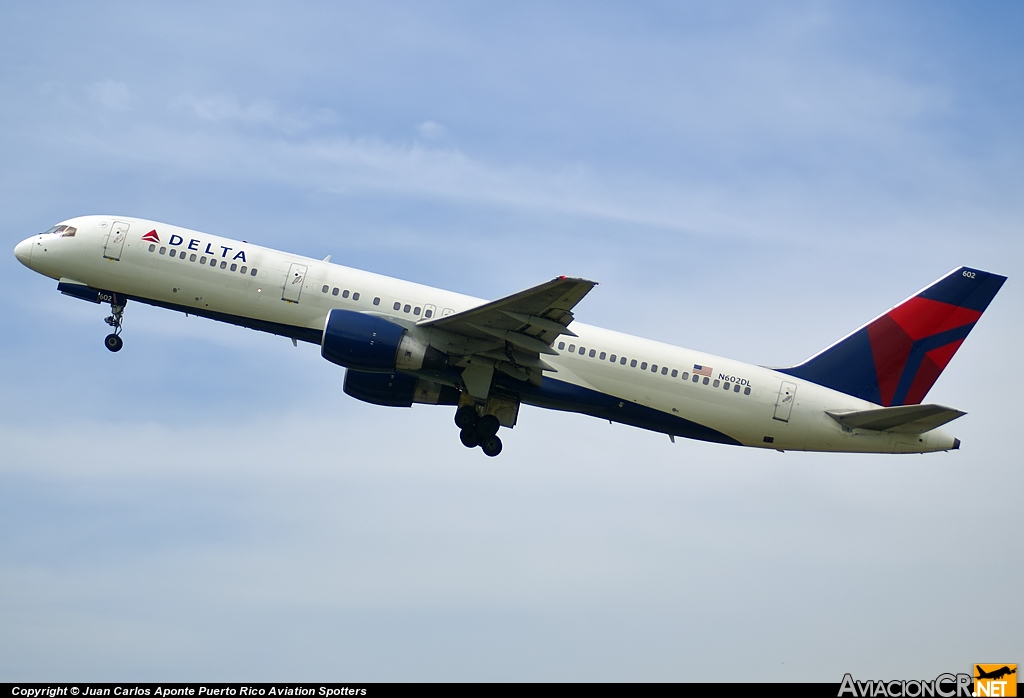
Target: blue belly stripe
559, 395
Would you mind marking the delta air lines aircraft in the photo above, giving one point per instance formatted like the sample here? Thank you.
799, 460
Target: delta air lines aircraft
403, 343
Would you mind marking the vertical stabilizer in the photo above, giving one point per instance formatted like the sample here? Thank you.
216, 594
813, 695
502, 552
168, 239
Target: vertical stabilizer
897, 357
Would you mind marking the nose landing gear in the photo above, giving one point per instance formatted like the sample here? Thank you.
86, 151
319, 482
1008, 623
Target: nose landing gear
478, 430
113, 341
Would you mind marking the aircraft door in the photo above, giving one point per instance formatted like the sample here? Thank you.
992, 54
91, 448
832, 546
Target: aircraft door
115, 240
293, 283
784, 405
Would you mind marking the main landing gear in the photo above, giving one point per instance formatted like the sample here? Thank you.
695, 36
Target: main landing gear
478, 430
113, 341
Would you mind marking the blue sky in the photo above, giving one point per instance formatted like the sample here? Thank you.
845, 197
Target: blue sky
751, 180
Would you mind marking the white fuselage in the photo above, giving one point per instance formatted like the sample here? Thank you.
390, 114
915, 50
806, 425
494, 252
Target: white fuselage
752, 405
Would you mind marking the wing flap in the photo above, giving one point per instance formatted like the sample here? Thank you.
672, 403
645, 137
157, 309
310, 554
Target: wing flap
906, 419
541, 313
510, 334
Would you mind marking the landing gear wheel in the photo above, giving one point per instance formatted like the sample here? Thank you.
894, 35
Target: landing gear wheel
487, 426
469, 438
112, 341
465, 417
491, 446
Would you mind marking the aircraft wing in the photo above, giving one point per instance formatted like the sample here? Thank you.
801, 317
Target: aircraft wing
512, 333
906, 419
529, 320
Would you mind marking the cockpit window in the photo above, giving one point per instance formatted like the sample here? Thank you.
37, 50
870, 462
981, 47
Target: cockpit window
65, 231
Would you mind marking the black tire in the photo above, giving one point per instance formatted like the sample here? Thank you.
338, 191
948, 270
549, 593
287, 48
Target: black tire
487, 426
491, 446
465, 417
113, 342
469, 438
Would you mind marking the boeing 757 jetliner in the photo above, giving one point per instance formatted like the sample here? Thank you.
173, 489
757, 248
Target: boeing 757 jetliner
404, 343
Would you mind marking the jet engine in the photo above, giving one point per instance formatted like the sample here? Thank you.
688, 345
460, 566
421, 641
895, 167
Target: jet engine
370, 343
397, 389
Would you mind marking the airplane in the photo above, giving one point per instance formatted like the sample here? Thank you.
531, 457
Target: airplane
994, 674
403, 343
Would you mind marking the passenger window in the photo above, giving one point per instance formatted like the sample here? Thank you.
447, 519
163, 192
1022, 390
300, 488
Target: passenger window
223, 265
674, 373
623, 361
152, 248
428, 314
344, 294
593, 353
192, 257
334, 291
746, 391
643, 366
243, 269
726, 385
664, 371
654, 368
705, 381
355, 296
695, 378
613, 358
398, 306
202, 260
632, 363
234, 267
252, 272
213, 262
325, 289
163, 250
561, 345
583, 350
407, 308
174, 253
601, 357
716, 383
416, 310
686, 375
736, 388
572, 348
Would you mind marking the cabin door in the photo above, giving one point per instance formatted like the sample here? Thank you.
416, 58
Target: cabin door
293, 283
784, 405
115, 240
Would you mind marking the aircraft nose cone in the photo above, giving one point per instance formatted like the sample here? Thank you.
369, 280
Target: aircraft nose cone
23, 251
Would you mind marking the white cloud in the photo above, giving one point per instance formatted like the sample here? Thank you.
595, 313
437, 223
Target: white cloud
431, 130
110, 94
227, 109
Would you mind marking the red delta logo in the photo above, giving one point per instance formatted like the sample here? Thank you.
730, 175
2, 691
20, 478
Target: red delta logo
151, 236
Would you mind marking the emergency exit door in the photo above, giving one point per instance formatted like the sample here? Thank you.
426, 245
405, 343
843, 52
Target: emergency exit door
293, 283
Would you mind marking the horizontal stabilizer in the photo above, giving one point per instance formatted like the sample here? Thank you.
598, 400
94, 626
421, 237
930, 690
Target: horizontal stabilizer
907, 419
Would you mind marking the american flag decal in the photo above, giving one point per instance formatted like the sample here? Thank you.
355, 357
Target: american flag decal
699, 370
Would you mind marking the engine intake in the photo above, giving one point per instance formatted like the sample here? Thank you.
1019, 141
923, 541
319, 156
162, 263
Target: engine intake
374, 344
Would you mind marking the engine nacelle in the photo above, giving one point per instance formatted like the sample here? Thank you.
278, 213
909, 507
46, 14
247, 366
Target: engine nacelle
371, 343
397, 389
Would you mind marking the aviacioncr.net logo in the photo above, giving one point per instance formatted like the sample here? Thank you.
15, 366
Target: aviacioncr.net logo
942, 686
